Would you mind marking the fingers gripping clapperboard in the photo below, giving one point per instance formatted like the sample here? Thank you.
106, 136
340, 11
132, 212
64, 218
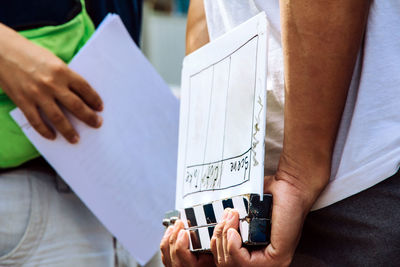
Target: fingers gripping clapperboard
221, 136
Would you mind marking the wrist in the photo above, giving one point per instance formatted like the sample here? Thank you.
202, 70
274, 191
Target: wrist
309, 177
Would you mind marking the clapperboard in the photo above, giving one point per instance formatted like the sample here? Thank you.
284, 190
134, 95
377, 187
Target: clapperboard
221, 136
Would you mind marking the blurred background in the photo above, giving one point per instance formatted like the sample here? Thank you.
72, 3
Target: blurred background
162, 40
163, 37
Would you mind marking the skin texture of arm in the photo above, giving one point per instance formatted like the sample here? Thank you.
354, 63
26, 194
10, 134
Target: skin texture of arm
38, 81
196, 27
320, 41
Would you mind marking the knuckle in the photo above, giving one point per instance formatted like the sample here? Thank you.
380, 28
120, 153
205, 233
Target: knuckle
218, 234
58, 67
180, 250
164, 244
63, 94
225, 231
77, 105
48, 87
162, 247
218, 231
57, 118
19, 99
45, 81
34, 92
172, 240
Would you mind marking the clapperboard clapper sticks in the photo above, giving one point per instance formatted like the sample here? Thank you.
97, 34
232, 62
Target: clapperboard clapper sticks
221, 136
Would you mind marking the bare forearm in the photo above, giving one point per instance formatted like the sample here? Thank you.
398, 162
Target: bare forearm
196, 29
320, 43
10, 42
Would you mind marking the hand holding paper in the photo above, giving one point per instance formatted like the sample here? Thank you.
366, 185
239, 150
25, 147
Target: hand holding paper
35, 79
125, 171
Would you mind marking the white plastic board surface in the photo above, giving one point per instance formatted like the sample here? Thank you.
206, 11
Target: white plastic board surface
125, 172
222, 121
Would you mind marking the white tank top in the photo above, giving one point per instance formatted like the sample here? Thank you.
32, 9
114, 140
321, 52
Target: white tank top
367, 148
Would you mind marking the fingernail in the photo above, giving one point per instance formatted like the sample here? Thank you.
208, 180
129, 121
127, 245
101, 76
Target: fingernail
99, 121
96, 121
75, 139
100, 107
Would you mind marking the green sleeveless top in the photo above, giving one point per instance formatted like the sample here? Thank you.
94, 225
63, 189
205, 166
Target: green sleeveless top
64, 41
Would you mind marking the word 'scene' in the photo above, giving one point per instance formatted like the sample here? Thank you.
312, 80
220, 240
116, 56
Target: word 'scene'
240, 164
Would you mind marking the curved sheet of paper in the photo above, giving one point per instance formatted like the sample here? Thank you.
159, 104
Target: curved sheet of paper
125, 171
222, 117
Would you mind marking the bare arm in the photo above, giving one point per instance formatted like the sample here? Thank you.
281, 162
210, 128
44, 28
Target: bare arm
320, 44
196, 28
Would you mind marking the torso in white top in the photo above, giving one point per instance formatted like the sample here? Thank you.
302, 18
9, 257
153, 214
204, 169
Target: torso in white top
367, 149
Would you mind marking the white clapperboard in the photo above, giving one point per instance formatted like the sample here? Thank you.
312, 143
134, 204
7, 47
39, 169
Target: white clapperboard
221, 136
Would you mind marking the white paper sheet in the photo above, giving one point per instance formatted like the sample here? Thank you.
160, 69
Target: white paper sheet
222, 123
125, 171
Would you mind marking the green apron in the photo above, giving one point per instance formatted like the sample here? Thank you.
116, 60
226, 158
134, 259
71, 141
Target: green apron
64, 41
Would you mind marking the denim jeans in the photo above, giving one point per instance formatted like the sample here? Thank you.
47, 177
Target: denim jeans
40, 226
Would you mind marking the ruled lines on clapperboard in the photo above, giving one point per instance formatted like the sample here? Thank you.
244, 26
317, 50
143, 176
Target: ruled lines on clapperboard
230, 96
221, 136
202, 219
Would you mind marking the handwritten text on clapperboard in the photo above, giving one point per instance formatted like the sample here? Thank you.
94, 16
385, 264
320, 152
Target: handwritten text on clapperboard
226, 152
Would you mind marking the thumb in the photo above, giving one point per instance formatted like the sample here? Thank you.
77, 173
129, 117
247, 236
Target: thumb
235, 249
182, 252
183, 239
234, 240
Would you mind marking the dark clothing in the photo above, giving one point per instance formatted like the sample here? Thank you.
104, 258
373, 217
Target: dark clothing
130, 12
362, 230
25, 15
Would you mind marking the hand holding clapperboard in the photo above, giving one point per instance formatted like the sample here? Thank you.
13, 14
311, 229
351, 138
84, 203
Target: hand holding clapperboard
221, 136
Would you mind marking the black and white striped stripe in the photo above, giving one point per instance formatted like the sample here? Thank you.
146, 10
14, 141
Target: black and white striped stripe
201, 220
